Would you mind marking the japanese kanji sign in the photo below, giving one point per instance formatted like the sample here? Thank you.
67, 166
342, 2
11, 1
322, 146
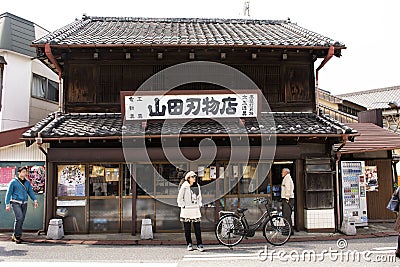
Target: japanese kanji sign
144, 107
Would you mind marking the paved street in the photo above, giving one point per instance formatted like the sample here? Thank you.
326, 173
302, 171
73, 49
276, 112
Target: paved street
352, 252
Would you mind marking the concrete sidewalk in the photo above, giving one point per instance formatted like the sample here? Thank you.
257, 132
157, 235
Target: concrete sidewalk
373, 230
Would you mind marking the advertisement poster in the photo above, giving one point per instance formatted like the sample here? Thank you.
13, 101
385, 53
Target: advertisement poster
206, 176
71, 180
221, 172
6, 174
213, 172
371, 176
200, 171
37, 176
112, 174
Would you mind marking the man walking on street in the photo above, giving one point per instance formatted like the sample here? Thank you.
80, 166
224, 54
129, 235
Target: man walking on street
17, 200
287, 195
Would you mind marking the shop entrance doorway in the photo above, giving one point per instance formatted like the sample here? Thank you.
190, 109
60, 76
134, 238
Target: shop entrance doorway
276, 181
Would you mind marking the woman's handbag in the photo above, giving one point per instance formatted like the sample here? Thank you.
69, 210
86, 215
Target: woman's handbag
393, 204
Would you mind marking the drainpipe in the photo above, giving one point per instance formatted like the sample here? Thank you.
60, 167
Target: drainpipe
338, 193
330, 54
338, 188
39, 142
50, 56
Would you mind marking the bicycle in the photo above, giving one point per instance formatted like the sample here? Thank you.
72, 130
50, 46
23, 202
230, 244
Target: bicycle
232, 227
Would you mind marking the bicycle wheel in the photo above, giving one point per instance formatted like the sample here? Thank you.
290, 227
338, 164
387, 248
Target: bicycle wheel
229, 230
277, 230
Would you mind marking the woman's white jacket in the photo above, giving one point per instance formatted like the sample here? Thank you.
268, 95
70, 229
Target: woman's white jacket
189, 202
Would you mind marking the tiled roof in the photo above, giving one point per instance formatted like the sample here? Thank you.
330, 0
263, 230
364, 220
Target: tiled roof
375, 98
185, 31
58, 125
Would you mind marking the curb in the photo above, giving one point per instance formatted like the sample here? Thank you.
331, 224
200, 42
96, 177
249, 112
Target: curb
158, 242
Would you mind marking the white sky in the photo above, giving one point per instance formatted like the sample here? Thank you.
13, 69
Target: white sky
368, 28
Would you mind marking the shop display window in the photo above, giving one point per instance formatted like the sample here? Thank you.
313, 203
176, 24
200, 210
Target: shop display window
73, 221
231, 179
167, 217
145, 179
168, 177
103, 215
104, 180
127, 181
247, 178
126, 214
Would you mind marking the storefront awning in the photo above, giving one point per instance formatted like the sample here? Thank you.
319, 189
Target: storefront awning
371, 138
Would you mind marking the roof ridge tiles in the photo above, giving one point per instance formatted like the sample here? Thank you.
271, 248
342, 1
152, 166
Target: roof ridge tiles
188, 20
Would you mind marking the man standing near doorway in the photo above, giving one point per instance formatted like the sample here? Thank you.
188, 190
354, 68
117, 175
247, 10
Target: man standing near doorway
287, 195
17, 200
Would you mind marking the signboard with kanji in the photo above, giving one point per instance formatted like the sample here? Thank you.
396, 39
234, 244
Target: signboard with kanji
144, 107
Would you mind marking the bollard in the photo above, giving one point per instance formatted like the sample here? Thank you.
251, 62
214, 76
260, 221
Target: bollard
56, 229
348, 226
147, 229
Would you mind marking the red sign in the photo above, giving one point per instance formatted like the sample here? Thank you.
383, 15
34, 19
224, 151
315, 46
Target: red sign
6, 174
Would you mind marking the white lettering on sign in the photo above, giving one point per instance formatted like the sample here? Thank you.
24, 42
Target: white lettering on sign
147, 107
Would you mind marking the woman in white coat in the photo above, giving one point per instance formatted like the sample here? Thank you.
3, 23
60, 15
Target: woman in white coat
189, 200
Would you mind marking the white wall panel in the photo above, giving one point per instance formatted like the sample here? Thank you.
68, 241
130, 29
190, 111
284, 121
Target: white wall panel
19, 152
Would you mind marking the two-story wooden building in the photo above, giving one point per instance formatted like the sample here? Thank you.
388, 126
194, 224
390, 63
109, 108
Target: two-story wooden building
104, 61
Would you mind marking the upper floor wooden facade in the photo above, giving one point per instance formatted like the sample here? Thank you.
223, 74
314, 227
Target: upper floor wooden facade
92, 84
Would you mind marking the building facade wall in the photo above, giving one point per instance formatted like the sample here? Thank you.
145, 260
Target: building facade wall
16, 91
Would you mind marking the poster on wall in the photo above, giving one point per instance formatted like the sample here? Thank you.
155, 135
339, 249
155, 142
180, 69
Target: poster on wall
206, 176
6, 174
97, 171
235, 171
37, 176
200, 171
112, 174
213, 172
71, 180
371, 176
221, 172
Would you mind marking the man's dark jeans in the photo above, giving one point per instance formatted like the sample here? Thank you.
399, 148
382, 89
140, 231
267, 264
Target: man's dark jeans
19, 213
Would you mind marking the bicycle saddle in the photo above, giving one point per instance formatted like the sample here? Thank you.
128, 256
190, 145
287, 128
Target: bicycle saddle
241, 210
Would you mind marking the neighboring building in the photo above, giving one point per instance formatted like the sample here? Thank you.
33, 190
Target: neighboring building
105, 60
338, 108
14, 154
28, 92
374, 146
384, 103
28, 88
383, 110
